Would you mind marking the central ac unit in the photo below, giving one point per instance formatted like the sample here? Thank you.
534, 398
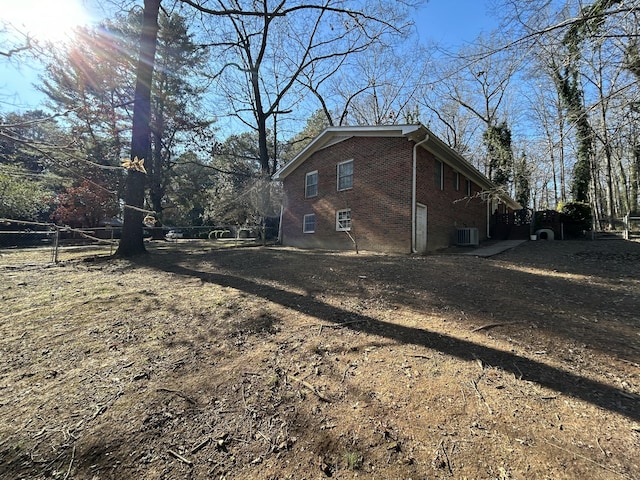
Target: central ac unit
467, 236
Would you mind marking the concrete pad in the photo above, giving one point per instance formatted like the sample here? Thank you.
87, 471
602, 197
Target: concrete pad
494, 248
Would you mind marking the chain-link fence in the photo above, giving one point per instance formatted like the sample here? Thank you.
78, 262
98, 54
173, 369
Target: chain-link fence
256, 233
31, 243
20, 246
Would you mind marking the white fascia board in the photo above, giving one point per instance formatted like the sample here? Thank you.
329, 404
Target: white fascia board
333, 135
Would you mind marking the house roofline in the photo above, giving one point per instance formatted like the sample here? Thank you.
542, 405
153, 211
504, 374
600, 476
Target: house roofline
414, 132
332, 135
445, 153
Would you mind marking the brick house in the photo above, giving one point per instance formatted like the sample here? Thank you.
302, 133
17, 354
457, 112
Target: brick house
396, 189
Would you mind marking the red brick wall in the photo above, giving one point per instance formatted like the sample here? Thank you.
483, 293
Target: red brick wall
380, 200
447, 209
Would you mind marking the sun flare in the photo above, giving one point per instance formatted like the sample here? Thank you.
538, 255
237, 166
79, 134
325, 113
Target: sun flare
44, 20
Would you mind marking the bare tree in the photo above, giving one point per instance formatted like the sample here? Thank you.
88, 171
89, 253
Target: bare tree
546, 113
380, 87
605, 76
12, 49
456, 125
480, 85
589, 48
271, 53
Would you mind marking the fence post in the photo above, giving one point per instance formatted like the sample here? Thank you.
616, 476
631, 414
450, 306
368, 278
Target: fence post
626, 226
56, 241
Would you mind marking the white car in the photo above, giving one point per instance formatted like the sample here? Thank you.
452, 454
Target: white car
174, 234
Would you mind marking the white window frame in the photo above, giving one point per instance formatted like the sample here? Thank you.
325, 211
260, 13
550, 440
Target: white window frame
456, 182
468, 187
307, 184
304, 223
338, 176
343, 224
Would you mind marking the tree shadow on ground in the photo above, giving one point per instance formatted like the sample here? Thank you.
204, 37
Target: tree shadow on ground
584, 304
588, 390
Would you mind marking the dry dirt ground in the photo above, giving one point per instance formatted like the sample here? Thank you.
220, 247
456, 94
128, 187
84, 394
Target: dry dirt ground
274, 363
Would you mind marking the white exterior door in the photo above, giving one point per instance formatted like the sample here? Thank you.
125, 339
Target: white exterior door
421, 228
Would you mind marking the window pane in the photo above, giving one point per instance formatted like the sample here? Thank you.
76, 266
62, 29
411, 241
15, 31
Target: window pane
345, 175
343, 220
309, 223
311, 184
438, 174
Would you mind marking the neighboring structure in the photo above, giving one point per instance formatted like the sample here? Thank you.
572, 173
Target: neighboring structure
389, 188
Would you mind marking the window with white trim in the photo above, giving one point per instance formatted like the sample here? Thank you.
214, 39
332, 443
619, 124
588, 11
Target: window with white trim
345, 175
309, 223
343, 220
468, 187
456, 181
311, 184
438, 169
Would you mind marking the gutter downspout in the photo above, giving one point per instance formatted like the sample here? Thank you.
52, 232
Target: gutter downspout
413, 194
280, 225
489, 218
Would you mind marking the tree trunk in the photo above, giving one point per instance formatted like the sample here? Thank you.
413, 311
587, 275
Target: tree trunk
554, 176
635, 181
262, 144
156, 184
594, 195
561, 159
261, 119
156, 190
611, 208
623, 190
132, 241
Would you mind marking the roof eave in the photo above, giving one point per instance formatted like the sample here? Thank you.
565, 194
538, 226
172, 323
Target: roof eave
415, 132
461, 164
331, 133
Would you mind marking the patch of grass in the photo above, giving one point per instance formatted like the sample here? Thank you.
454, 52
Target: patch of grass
273, 381
353, 460
316, 348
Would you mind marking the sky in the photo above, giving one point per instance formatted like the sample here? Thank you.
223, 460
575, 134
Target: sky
44, 20
450, 23
453, 22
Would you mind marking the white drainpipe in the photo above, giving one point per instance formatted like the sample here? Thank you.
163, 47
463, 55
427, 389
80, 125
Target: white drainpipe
280, 225
488, 217
413, 194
